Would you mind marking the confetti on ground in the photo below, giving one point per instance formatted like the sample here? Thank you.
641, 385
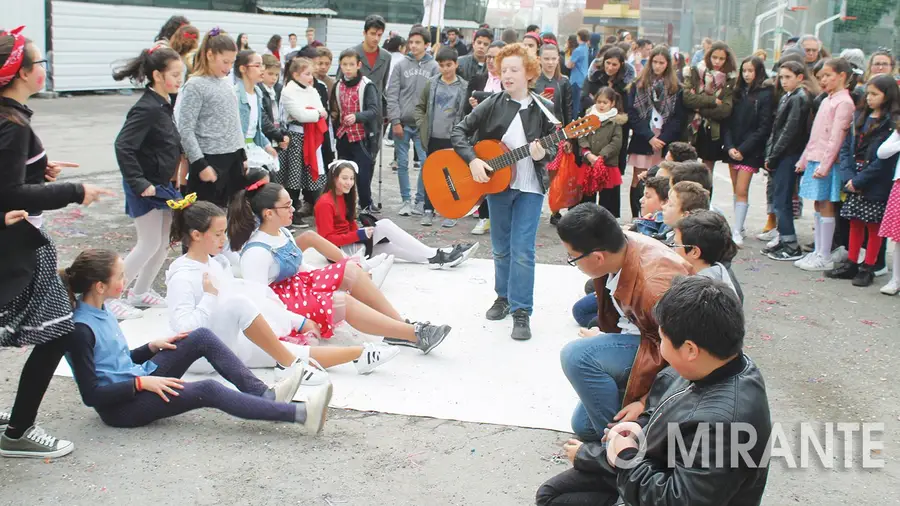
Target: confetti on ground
766, 337
789, 293
769, 301
870, 323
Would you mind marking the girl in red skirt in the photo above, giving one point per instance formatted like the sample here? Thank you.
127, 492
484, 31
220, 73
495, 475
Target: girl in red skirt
257, 221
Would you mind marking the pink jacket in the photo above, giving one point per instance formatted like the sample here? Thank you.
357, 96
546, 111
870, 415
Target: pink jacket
828, 131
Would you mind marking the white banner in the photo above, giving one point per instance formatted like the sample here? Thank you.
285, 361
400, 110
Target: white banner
434, 13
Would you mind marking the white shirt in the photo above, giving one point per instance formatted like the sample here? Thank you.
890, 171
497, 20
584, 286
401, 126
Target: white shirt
526, 178
254, 115
612, 282
257, 264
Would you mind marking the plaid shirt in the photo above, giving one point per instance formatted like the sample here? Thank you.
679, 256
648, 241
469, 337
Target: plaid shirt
349, 104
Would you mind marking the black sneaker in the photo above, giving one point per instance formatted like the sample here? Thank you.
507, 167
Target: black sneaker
370, 209
298, 222
499, 310
521, 329
445, 259
554, 219
465, 250
430, 336
843, 270
786, 252
772, 249
865, 276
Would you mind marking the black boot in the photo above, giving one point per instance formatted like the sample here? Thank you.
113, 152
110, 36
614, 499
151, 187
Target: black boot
865, 276
843, 270
635, 197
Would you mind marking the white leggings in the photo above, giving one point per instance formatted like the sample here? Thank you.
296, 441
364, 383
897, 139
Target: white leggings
148, 255
235, 312
400, 244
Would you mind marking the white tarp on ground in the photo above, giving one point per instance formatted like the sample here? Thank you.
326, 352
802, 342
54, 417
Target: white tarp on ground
478, 374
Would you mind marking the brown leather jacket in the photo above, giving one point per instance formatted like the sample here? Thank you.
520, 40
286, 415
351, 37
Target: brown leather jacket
647, 273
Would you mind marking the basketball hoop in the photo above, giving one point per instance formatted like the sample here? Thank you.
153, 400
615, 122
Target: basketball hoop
798, 8
848, 18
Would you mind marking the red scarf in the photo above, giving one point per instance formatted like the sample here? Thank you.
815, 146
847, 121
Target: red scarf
313, 137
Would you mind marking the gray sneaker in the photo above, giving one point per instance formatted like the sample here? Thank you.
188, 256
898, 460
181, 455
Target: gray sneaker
430, 336
427, 219
419, 209
405, 209
448, 223
36, 444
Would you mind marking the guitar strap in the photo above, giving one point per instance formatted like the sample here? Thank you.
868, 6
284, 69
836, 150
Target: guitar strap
547, 113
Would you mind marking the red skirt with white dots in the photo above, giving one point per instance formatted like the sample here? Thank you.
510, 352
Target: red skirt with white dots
311, 294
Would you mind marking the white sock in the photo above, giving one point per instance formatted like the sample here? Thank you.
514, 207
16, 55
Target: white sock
817, 219
896, 275
740, 216
826, 236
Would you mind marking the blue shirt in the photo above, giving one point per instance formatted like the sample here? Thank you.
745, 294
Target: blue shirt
112, 358
579, 60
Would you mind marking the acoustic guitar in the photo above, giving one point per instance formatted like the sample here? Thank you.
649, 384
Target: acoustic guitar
448, 180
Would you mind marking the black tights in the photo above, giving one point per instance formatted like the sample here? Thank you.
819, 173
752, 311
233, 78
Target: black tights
33, 383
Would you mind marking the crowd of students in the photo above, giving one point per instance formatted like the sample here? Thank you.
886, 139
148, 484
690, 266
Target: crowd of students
218, 127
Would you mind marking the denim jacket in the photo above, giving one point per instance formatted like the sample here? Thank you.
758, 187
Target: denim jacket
260, 138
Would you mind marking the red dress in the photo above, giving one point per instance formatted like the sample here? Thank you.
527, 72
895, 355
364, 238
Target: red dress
311, 294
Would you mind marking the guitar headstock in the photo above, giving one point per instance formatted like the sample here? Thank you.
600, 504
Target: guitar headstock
582, 126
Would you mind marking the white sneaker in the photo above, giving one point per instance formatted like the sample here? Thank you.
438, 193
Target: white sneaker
405, 209
145, 300
817, 263
881, 272
767, 236
892, 288
738, 239
380, 272
484, 225
287, 387
123, 310
840, 255
313, 374
374, 355
774, 242
317, 408
804, 260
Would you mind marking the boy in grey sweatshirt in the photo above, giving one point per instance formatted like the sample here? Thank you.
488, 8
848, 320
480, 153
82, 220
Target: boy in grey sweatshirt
408, 80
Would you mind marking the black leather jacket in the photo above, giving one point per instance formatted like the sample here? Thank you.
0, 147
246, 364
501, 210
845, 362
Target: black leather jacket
491, 120
734, 393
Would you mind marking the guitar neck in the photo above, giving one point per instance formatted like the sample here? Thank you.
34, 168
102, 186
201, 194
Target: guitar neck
513, 156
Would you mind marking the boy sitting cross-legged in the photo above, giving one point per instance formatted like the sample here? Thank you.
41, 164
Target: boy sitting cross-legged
702, 439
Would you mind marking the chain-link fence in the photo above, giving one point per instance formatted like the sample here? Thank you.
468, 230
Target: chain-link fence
870, 25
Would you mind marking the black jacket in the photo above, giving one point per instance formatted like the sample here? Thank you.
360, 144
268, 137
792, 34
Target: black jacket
749, 126
148, 147
562, 97
469, 68
790, 130
461, 48
733, 394
491, 120
873, 180
368, 115
22, 187
274, 133
598, 79
640, 127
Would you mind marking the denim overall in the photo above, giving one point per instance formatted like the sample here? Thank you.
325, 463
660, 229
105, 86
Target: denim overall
289, 257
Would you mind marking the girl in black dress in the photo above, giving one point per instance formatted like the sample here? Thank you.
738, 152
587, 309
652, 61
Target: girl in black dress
34, 306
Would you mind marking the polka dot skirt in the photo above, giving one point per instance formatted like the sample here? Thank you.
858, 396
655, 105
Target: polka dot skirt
858, 207
311, 294
42, 312
890, 224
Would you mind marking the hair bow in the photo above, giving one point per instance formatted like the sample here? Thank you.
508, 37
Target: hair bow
179, 205
337, 164
14, 61
215, 31
257, 185
189, 35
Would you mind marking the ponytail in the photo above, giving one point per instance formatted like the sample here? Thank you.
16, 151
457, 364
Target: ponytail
90, 267
193, 216
243, 58
140, 69
246, 207
216, 41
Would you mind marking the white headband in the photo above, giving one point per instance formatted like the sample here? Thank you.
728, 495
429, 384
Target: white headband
336, 163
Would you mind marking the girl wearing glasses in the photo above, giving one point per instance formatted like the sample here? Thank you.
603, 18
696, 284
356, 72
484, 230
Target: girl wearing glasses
270, 255
881, 62
254, 121
34, 306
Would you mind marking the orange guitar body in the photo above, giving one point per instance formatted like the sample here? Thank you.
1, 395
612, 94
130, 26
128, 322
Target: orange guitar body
449, 182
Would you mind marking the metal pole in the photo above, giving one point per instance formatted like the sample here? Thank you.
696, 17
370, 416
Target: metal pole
759, 19
830, 19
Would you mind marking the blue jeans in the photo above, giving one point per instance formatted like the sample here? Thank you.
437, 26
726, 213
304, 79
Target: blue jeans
598, 369
585, 310
514, 222
576, 100
783, 197
401, 147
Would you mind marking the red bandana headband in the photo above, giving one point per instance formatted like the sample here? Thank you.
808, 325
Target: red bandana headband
12, 65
